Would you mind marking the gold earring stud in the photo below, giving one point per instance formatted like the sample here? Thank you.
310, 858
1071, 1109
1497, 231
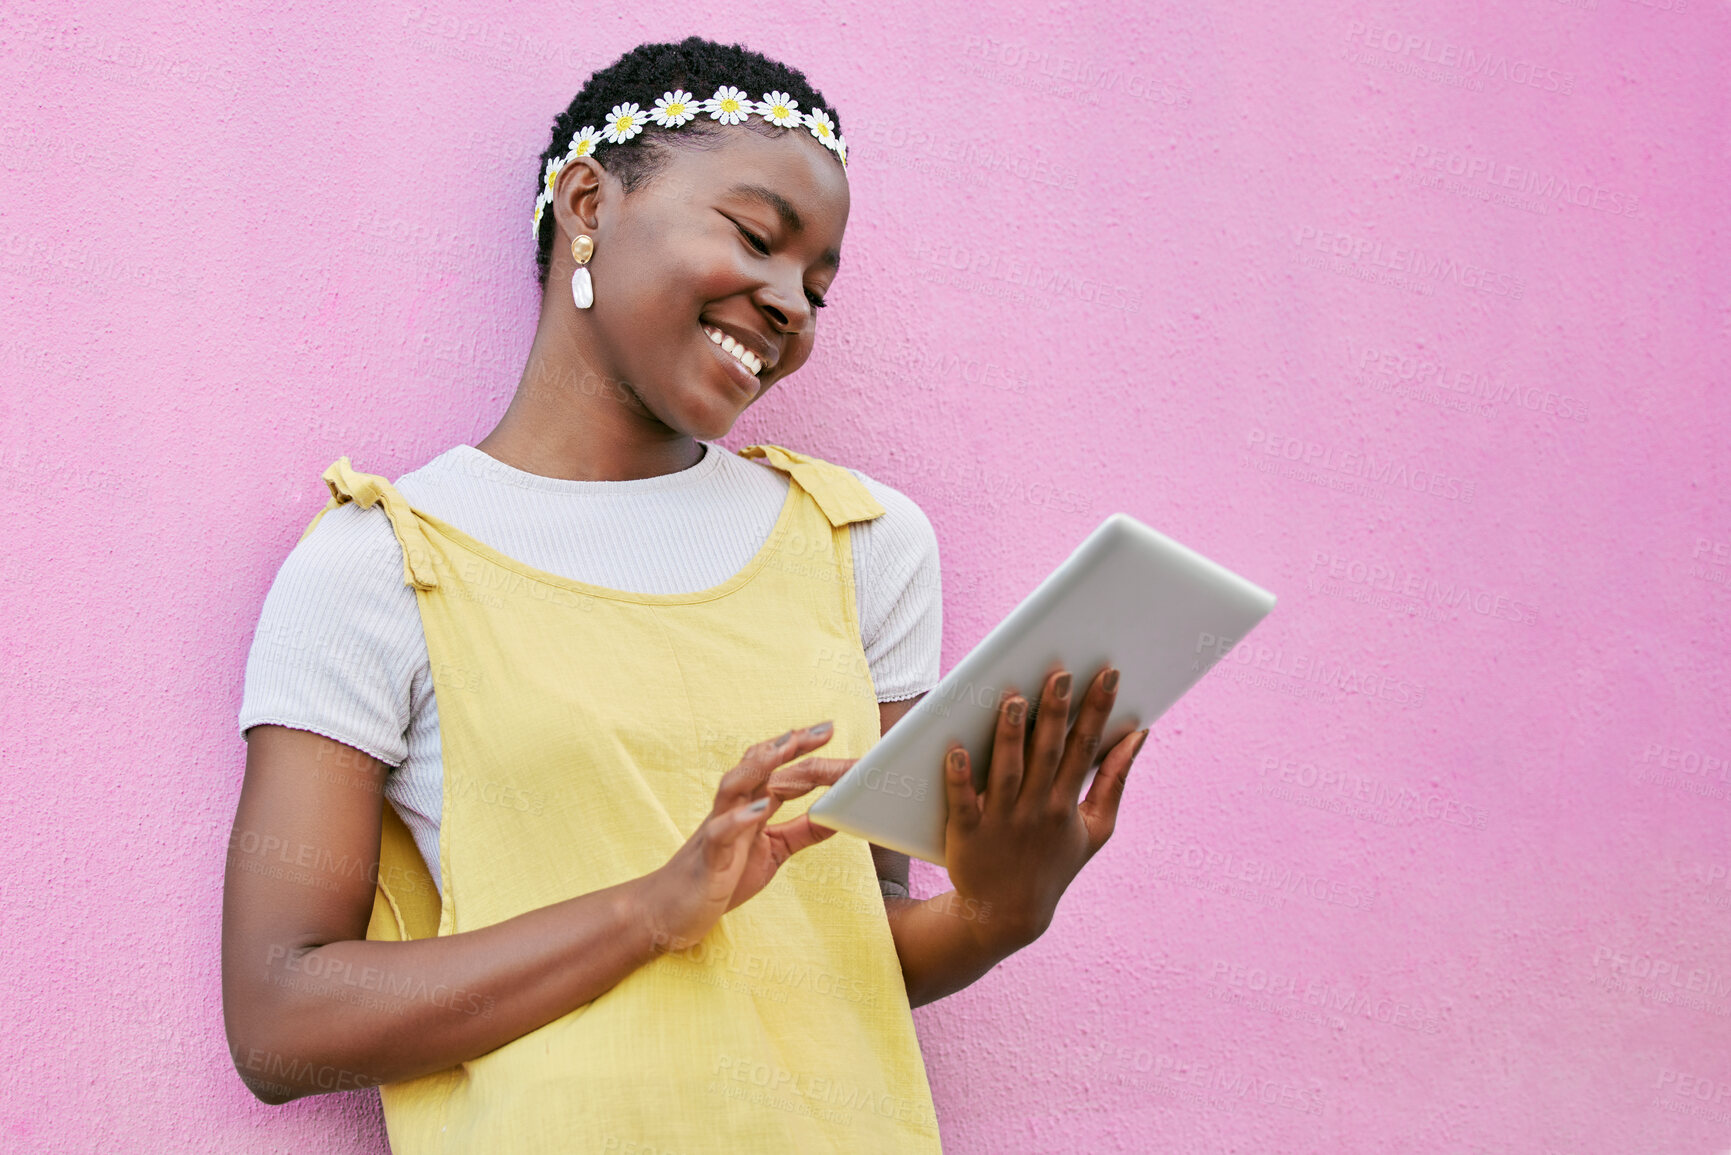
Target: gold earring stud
582, 248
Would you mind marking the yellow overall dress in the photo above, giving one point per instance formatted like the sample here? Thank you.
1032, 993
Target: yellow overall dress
584, 732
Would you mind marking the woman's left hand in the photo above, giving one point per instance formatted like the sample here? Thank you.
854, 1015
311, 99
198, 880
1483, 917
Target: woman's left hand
1019, 845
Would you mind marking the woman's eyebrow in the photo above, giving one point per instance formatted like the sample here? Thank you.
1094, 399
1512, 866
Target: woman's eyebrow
790, 218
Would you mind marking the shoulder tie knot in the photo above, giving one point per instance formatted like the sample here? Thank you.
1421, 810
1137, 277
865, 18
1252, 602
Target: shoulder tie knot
842, 496
368, 489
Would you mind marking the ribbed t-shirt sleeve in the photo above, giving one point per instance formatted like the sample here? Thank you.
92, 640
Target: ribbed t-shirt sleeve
337, 637
899, 594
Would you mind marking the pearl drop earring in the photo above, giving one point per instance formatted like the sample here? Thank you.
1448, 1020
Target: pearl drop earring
582, 287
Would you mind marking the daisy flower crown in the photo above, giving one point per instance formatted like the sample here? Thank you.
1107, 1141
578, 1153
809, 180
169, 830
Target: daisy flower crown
729, 105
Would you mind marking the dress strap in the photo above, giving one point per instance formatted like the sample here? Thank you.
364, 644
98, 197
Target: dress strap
369, 489
842, 496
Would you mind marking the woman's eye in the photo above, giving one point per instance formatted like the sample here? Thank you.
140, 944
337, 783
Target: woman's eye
752, 239
762, 248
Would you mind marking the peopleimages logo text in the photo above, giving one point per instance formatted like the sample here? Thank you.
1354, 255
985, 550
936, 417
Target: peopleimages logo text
1358, 463
1425, 266
1525, 179
1466, 60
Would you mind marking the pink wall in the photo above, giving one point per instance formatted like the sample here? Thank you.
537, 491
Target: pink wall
1468, 891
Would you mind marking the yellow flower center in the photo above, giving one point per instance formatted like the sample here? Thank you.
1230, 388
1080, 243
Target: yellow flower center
622, 124
730, 105
676, 110
822, 128
780, 111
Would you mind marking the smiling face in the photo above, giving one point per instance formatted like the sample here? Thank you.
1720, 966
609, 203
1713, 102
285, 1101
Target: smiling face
707, 277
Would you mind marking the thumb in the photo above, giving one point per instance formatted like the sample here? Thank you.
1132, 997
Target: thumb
793, 837
729, 833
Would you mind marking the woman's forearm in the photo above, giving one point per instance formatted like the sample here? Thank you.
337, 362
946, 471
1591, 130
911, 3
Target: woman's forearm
359, 1013
309, 1005
947, 942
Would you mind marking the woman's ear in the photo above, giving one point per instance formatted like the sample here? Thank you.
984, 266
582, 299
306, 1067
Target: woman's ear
577, 197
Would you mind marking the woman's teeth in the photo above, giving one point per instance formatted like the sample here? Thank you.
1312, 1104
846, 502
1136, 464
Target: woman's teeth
740, 353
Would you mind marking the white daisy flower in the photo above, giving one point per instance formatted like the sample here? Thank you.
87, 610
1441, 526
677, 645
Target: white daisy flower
583, 144
623, 123
779, 109
729, 105
673, 109
535, 232
841, 149
548, 178
821, 127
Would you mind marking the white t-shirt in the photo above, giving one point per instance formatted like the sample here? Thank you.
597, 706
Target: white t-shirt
339, 648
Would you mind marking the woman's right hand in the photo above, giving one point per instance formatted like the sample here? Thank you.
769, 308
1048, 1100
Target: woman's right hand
734, 853
290, 936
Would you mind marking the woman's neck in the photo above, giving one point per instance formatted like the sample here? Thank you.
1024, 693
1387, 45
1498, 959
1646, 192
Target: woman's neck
570, 421
584, 452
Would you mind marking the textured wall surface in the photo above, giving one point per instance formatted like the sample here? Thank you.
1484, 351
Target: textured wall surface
1416, 314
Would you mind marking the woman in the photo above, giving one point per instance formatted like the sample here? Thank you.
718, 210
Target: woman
546, 651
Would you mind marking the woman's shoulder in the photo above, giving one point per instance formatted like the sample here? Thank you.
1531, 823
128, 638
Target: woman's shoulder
350, 562
903, 527
458, 467
338, 638
902, 514
347, 569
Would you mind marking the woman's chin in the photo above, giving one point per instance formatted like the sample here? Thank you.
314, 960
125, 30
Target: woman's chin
708, 422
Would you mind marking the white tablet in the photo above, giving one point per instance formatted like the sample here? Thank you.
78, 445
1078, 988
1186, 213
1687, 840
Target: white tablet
1128, 596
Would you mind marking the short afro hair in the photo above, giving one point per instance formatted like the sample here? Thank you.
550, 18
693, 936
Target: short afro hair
698, 66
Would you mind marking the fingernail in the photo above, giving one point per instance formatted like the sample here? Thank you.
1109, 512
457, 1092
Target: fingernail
758, 807
1062, 686
954, 761
1014, 713
821, 730
782, 741
1110, 682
